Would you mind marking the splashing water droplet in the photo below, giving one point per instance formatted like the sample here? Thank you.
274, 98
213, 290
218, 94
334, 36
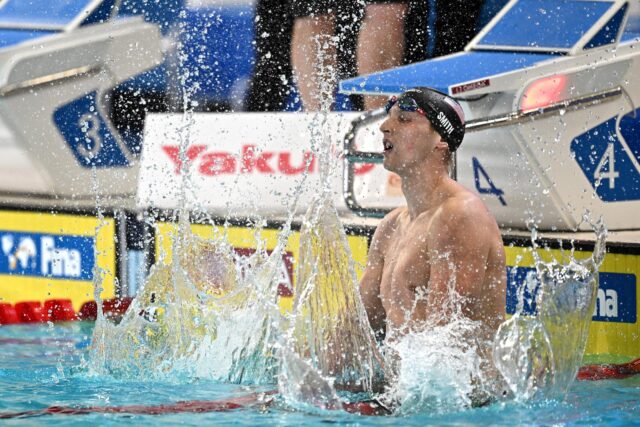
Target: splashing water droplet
539, 356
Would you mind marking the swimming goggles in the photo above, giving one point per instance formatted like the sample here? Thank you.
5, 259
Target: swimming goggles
405, 104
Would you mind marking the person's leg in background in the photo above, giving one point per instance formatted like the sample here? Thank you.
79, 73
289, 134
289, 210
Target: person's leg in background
455, 24
416, 31
271, 82
313, 52
381, 42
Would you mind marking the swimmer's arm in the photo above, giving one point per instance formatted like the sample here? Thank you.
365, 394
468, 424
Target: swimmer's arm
370, 281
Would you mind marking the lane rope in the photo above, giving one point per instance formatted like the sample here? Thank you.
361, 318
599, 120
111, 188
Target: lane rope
609, 371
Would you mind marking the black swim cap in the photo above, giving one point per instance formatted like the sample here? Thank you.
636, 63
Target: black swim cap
444, 113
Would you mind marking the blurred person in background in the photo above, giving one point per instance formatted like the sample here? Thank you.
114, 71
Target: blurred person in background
271, 83
360, 37
323, 47
399, 33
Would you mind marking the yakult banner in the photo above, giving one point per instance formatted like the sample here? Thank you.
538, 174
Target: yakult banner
247, 164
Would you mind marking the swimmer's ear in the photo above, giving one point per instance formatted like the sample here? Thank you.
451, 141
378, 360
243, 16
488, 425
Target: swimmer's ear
442, 145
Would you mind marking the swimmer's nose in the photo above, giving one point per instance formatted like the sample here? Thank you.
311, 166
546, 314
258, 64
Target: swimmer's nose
384, 127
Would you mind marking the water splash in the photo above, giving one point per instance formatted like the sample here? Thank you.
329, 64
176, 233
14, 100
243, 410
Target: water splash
441, 364
540, 356
329, 328
185, 321
523, 355
439, 368
329, 339
303, 386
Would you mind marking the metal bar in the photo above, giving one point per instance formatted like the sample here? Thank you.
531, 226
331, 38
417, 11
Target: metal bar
84, 14
122, 284
4, 25
522, 116
507, 48
352, 156
49, 78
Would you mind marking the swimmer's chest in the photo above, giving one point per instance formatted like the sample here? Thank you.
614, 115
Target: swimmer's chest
406, 261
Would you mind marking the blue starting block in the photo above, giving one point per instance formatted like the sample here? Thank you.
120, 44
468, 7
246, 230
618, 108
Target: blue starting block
56, 16
442, 73
550, 98
549, 25
523, 34
21, 21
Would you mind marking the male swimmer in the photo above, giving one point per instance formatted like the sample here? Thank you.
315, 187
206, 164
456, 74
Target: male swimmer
444, 242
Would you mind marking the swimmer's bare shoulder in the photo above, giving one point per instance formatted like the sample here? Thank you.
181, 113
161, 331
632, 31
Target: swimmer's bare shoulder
465, 247
464, 208
383, 234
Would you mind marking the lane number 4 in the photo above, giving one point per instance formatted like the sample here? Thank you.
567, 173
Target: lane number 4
607, 161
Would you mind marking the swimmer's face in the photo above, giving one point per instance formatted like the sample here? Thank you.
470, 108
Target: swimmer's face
408, 140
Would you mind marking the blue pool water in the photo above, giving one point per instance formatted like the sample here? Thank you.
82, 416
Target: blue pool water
42, 366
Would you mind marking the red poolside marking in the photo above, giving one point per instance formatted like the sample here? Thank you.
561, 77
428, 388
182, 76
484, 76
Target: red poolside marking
191, 406
607, 372
88, 311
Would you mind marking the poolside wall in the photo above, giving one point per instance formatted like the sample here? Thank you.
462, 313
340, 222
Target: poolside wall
46, 256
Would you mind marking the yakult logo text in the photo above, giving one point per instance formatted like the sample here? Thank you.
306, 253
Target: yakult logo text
249, 160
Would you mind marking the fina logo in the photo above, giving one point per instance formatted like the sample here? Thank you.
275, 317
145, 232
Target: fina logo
606, 304
60, 257
615, 299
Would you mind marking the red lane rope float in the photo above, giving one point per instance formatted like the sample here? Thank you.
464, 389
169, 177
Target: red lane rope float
8, 315
370, 408
192, 406
60, 310
112, 308
609, 372
31, 312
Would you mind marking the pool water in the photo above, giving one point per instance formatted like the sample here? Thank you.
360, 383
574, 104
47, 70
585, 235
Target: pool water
42, 365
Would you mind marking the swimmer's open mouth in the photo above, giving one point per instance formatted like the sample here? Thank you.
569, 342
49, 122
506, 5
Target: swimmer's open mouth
387, 145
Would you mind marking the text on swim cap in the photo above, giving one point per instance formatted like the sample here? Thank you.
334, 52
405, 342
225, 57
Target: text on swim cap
444, 121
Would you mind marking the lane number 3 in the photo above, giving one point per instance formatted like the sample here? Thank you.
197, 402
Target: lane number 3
90, 125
